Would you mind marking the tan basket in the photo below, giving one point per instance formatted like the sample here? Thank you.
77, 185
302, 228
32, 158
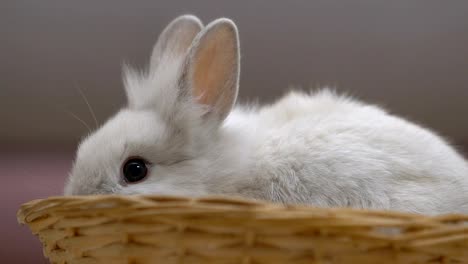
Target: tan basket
155, 229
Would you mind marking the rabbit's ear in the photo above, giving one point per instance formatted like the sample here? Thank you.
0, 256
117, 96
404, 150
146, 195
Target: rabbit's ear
212, 68
175, 40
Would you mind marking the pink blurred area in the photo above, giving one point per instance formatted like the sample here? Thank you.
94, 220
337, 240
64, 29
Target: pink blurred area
27, 174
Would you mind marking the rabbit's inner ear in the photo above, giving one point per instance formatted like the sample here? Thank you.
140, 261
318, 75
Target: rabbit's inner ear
175, 40
214, 67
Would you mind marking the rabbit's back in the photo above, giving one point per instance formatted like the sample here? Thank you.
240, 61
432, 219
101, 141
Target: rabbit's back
328, 150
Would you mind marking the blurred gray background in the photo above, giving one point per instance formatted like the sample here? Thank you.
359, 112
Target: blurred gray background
409, 56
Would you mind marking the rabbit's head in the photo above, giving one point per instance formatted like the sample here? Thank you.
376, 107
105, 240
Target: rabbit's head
174, 111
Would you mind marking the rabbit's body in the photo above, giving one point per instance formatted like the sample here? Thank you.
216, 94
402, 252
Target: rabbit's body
178, 136
328, 150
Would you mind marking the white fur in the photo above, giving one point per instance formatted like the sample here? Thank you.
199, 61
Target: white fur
315, 148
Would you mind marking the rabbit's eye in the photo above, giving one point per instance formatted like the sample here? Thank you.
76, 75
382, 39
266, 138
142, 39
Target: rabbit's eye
135, 170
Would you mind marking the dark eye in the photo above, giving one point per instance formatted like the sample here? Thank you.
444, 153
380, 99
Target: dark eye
135, 170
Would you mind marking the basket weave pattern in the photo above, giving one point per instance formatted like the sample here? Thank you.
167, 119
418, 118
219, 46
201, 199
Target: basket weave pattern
155, 229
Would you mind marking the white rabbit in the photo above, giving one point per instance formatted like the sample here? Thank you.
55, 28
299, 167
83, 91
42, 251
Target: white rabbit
181, 135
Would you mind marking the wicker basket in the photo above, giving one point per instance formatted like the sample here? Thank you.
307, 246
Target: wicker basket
155, 229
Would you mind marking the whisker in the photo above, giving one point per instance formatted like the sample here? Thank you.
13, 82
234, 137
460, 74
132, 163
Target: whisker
62, 109
87, 103
79, 119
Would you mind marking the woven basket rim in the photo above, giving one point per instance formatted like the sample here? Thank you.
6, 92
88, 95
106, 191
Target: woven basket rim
39, 207
418, 236
31, 205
